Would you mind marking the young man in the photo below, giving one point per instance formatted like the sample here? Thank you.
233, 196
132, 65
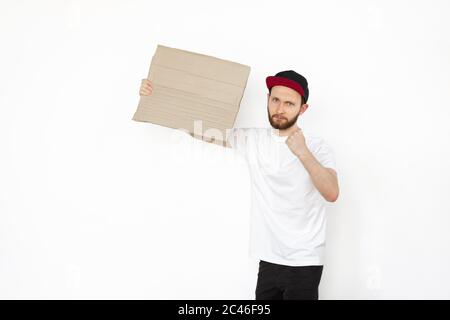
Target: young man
293, 175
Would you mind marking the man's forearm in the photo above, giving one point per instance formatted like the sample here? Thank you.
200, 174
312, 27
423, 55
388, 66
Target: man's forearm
325, 181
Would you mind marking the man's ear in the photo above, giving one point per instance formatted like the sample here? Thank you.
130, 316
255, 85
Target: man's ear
303, 107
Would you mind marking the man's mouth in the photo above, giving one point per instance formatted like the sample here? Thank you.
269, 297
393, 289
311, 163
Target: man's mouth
278, 117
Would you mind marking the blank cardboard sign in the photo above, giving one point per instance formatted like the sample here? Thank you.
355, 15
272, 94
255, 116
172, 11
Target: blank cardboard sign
194, 92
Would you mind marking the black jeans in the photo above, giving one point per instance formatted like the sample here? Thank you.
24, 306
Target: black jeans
280, 282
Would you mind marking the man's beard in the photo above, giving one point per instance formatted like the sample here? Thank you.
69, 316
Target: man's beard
282, 124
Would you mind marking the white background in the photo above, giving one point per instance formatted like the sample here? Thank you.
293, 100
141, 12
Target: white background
95, 205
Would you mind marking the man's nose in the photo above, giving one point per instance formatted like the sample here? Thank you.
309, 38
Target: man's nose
280, 108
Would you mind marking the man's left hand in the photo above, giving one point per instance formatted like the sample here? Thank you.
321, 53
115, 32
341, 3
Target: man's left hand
296, 142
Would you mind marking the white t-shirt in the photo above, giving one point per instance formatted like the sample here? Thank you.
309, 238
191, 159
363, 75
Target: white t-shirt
287, 222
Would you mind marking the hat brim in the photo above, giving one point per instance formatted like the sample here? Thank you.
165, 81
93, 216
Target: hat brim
272, 81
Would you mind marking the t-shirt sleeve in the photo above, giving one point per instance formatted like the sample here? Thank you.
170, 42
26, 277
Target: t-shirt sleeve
325, 155
238, 139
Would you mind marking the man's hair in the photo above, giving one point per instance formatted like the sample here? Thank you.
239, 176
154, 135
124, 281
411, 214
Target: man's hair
301, 97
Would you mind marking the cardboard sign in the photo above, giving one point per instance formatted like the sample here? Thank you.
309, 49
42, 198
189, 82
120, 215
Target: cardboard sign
194, 92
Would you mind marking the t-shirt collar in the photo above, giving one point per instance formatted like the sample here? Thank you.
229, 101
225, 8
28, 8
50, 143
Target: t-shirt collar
274, 133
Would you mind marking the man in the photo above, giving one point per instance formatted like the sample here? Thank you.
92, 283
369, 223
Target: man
292, 177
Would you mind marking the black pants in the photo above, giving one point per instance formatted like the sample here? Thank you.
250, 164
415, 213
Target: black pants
280, 282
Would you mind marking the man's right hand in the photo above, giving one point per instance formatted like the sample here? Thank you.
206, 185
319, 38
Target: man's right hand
146, 88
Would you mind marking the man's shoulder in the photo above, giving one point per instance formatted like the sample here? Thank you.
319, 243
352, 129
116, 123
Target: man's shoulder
240, 137
254, 131
315, 141
312, 137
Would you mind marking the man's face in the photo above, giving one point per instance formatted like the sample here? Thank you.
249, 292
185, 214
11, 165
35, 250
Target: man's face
284, 107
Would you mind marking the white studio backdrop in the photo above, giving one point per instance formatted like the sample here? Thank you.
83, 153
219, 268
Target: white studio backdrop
95, 205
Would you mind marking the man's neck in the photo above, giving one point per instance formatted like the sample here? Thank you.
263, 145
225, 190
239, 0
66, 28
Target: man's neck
288, 131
